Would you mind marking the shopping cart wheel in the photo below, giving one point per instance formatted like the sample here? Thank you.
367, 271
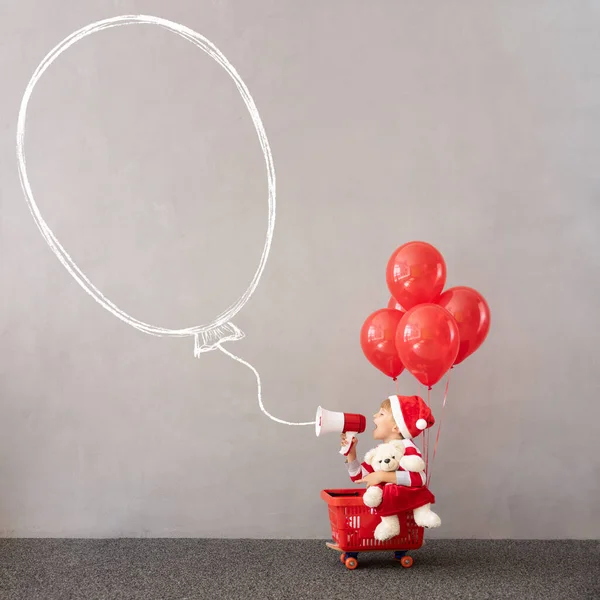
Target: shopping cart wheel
351, 563
406, 561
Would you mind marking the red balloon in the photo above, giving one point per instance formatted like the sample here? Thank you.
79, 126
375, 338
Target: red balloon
378, 341
427, 341
395, 305
472, 315
416, 273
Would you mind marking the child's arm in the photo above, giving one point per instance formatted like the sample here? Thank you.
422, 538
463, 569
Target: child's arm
356, 470
410, 479
406, 478
416, 478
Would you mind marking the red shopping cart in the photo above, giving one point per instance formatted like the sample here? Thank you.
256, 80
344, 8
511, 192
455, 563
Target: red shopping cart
353, 524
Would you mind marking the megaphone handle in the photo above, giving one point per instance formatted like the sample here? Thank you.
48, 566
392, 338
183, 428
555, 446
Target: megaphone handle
350, 435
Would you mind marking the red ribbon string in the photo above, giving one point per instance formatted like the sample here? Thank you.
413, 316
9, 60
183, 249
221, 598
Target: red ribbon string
437, 437
426, 435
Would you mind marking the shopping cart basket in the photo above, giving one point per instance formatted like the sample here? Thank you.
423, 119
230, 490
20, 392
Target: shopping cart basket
353, 524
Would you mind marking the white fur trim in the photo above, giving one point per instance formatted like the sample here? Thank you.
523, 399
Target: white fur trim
397, 413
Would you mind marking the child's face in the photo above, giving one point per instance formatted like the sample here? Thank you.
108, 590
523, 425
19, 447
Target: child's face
385, 426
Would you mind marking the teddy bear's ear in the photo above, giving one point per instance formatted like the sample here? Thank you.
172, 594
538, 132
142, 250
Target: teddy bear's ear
399, 444
369, 456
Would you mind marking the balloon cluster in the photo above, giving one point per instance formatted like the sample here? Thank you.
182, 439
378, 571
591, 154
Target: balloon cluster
424, 329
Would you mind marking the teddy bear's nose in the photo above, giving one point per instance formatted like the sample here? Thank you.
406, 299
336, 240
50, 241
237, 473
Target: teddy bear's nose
387, 460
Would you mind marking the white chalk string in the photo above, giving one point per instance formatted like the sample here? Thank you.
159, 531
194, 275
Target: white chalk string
259, 389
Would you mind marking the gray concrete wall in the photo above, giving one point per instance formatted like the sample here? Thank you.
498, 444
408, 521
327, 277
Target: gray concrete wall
474, 126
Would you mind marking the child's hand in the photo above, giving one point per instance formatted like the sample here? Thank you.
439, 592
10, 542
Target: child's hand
352, 453
343, 440
378, 477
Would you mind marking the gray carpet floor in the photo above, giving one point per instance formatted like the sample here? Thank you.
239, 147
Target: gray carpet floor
199, 569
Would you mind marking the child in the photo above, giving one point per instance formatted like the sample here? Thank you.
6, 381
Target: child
399, 418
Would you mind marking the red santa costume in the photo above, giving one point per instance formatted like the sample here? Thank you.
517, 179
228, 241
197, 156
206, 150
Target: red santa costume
412, 416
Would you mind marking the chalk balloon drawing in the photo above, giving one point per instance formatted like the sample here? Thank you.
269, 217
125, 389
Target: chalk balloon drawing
209, 336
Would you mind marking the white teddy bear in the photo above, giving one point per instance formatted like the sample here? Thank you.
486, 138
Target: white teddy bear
390, 457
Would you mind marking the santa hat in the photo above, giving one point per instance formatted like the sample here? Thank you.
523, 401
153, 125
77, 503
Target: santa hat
411, 414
